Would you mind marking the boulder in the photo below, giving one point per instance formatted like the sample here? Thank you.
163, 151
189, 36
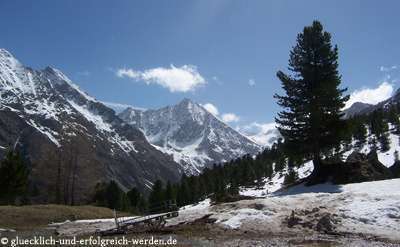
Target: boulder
324, 224
357, 168
356, 157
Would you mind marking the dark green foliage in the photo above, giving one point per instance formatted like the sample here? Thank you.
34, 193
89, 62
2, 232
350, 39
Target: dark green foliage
384, 142
169, 192
378, 122
13, 178
311, 119
112, 196
222, 181
183, 197
156, 196
134, 196
290, 177
138, 204
360, 134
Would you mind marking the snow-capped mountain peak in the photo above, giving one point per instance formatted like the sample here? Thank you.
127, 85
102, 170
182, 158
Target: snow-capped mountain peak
55, 121
13, 75
192, 135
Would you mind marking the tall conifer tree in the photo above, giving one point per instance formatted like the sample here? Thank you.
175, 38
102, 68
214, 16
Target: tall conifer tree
311, 119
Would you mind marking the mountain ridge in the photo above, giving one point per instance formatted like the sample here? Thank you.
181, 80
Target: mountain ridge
359, 108
70, 140
192, 135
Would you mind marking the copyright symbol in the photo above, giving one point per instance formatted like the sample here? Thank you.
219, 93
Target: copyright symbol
4, 241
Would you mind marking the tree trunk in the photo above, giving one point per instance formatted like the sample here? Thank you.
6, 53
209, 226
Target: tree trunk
316, 162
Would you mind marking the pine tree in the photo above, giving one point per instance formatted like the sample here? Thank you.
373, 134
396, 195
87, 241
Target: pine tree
113, 195
290, 177
311, 119
384, 142
360, 134
169, 192
135, 198
156, 196
396, 156
13, 178
124, 204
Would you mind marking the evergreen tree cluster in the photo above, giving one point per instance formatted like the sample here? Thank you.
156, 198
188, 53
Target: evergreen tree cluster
14, 176
112, 196
376, 125
220, 182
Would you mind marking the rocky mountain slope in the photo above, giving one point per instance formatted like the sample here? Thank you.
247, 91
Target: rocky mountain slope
193, 136
70, 140
359, 108
355, 109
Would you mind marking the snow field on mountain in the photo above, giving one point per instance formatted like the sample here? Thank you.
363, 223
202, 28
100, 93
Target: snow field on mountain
190, 134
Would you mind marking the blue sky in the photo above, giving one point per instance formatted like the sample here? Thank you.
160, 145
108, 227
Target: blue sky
218, 46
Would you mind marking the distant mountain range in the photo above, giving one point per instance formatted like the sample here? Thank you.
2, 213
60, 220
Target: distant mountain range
359, 108
71, 141
193, 136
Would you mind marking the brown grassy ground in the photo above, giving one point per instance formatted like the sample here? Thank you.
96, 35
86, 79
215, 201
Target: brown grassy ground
34, 216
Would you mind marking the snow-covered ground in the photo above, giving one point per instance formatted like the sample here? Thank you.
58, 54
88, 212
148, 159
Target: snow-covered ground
81, 227
371, 208
273, 184
276, 182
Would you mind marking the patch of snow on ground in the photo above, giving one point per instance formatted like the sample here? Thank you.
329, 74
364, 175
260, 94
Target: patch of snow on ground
276, 182
387, 158
191, 212
82, 227
234, 219
371, 208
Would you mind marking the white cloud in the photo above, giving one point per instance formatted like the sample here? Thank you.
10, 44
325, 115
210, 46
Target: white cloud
226, 117
230, 117
118, 107
387, 69
211, 109
264, 134
182, 79
371, 95
252, 82
255, 127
